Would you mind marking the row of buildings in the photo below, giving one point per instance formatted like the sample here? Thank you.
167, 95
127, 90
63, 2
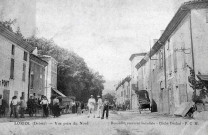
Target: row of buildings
22, 71
123, 91
176, 63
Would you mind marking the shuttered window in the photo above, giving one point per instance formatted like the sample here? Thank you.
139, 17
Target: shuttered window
23, 72
32, 81
13, 49
161, 58
175, 61
207, 16
12, 69
25, 56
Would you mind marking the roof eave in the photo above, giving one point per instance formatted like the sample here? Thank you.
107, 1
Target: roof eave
15, 39
175, 22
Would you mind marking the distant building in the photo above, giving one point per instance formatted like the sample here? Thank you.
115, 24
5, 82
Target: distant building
119, 96
123, 91
135, 58
181, 49
14, 67
51, 76
37, 76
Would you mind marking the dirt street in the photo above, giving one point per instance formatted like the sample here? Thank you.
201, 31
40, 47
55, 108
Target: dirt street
119, 123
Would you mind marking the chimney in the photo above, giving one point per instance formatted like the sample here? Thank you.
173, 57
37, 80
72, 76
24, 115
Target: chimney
35, 52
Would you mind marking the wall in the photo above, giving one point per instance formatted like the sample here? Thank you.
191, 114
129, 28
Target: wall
181, 56
38, 72
134, 80
200, 41
54, 73
119, 96
178, 56
50, 75
158, 80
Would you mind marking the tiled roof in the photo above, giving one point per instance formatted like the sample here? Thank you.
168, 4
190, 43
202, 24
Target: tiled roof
38, 60
15, 39
174, 23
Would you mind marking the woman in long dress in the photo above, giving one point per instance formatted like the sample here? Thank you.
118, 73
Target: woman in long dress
73, 106
56, 109
91, 106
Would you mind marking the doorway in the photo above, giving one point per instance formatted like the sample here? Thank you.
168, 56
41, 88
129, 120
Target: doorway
6, 94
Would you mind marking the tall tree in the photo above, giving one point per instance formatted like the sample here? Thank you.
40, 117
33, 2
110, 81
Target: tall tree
74, 78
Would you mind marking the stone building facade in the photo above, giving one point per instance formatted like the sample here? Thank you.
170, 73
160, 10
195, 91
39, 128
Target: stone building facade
123, 92
50, 76
37, 76
182, 48
14, 67
134, 58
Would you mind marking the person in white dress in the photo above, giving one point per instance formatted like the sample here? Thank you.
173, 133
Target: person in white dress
91, 106
99, 107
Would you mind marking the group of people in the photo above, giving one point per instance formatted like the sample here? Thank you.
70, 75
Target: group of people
77, 107
102, 107
33, 105
17, 107
53, 107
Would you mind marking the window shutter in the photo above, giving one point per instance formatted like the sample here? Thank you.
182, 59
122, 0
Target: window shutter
175, 60
12, 69
23, 74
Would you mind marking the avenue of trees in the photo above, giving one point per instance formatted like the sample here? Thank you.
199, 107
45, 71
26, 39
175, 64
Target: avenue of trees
74, 77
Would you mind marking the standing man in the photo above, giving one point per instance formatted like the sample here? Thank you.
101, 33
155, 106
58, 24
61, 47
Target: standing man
100, 102
44, 104
30, 106
15, 104
91, 106
105, 108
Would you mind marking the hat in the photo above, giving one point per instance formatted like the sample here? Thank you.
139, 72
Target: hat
98, 96
91, 96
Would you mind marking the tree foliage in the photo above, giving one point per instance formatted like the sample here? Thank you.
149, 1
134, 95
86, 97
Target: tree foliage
74, 78
110, 97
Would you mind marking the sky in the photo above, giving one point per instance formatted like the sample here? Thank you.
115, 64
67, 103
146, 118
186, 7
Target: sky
104, 32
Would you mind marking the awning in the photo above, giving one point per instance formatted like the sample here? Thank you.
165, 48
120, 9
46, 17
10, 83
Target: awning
58, 92
203, 77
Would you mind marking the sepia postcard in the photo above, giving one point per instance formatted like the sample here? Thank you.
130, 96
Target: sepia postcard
103, 67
